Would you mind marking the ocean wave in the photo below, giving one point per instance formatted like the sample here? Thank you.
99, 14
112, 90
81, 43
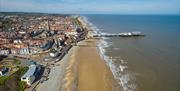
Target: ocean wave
116, 48
91, 25
120, 72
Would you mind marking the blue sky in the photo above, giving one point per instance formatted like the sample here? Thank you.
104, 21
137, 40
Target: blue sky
93, 6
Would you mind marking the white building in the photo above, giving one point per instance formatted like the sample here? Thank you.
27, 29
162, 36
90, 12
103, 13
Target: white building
4, 52
24, 51
29, 76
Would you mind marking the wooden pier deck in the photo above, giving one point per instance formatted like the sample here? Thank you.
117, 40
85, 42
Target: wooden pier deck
126, 34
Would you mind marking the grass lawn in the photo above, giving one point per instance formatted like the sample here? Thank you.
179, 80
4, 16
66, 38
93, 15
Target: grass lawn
3, 79
22, 86
14, 78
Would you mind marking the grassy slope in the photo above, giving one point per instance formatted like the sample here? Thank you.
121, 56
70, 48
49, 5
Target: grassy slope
13, 83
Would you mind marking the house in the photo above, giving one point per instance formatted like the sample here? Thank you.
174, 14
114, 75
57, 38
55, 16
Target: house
4, 51
68, 41
14, 51
3, 71
24, 51
22, 32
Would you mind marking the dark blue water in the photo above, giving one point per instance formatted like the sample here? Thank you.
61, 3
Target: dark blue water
150, 63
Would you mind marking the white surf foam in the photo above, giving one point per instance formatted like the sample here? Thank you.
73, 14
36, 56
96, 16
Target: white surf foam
120, 72
116, 48
93, 27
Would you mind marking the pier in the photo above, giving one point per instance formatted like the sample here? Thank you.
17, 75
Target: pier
125, 34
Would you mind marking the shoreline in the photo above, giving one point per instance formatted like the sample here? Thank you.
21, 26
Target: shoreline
87, 72
80, 71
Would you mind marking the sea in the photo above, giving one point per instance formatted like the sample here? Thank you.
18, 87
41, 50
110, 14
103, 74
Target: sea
150, 63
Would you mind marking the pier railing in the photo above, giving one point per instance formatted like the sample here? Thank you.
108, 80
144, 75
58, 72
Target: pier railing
126, 34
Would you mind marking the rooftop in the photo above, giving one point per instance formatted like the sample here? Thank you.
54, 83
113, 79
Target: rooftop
30, 72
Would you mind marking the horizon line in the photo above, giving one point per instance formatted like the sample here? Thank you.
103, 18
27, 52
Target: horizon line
91, 13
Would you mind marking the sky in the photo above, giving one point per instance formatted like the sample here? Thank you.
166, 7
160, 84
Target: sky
92, 6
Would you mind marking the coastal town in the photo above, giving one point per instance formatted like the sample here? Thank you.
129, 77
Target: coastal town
89, 45
31, 45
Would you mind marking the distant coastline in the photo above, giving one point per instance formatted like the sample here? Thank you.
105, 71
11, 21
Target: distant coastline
57, 14
31, 14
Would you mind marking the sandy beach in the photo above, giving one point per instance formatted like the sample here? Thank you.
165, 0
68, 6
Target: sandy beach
56, 75
86, 71
82, 69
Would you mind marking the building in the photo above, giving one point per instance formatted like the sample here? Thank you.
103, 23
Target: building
30, 76
24, 51
14, 51
4, 51
3, 71
47, 45
54, 54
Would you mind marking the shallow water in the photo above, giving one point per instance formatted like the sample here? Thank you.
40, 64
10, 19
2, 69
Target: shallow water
150, 63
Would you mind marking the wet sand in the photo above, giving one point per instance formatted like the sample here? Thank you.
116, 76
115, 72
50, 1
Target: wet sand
86, 71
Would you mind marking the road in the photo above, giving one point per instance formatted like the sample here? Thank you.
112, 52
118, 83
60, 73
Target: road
57, 72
